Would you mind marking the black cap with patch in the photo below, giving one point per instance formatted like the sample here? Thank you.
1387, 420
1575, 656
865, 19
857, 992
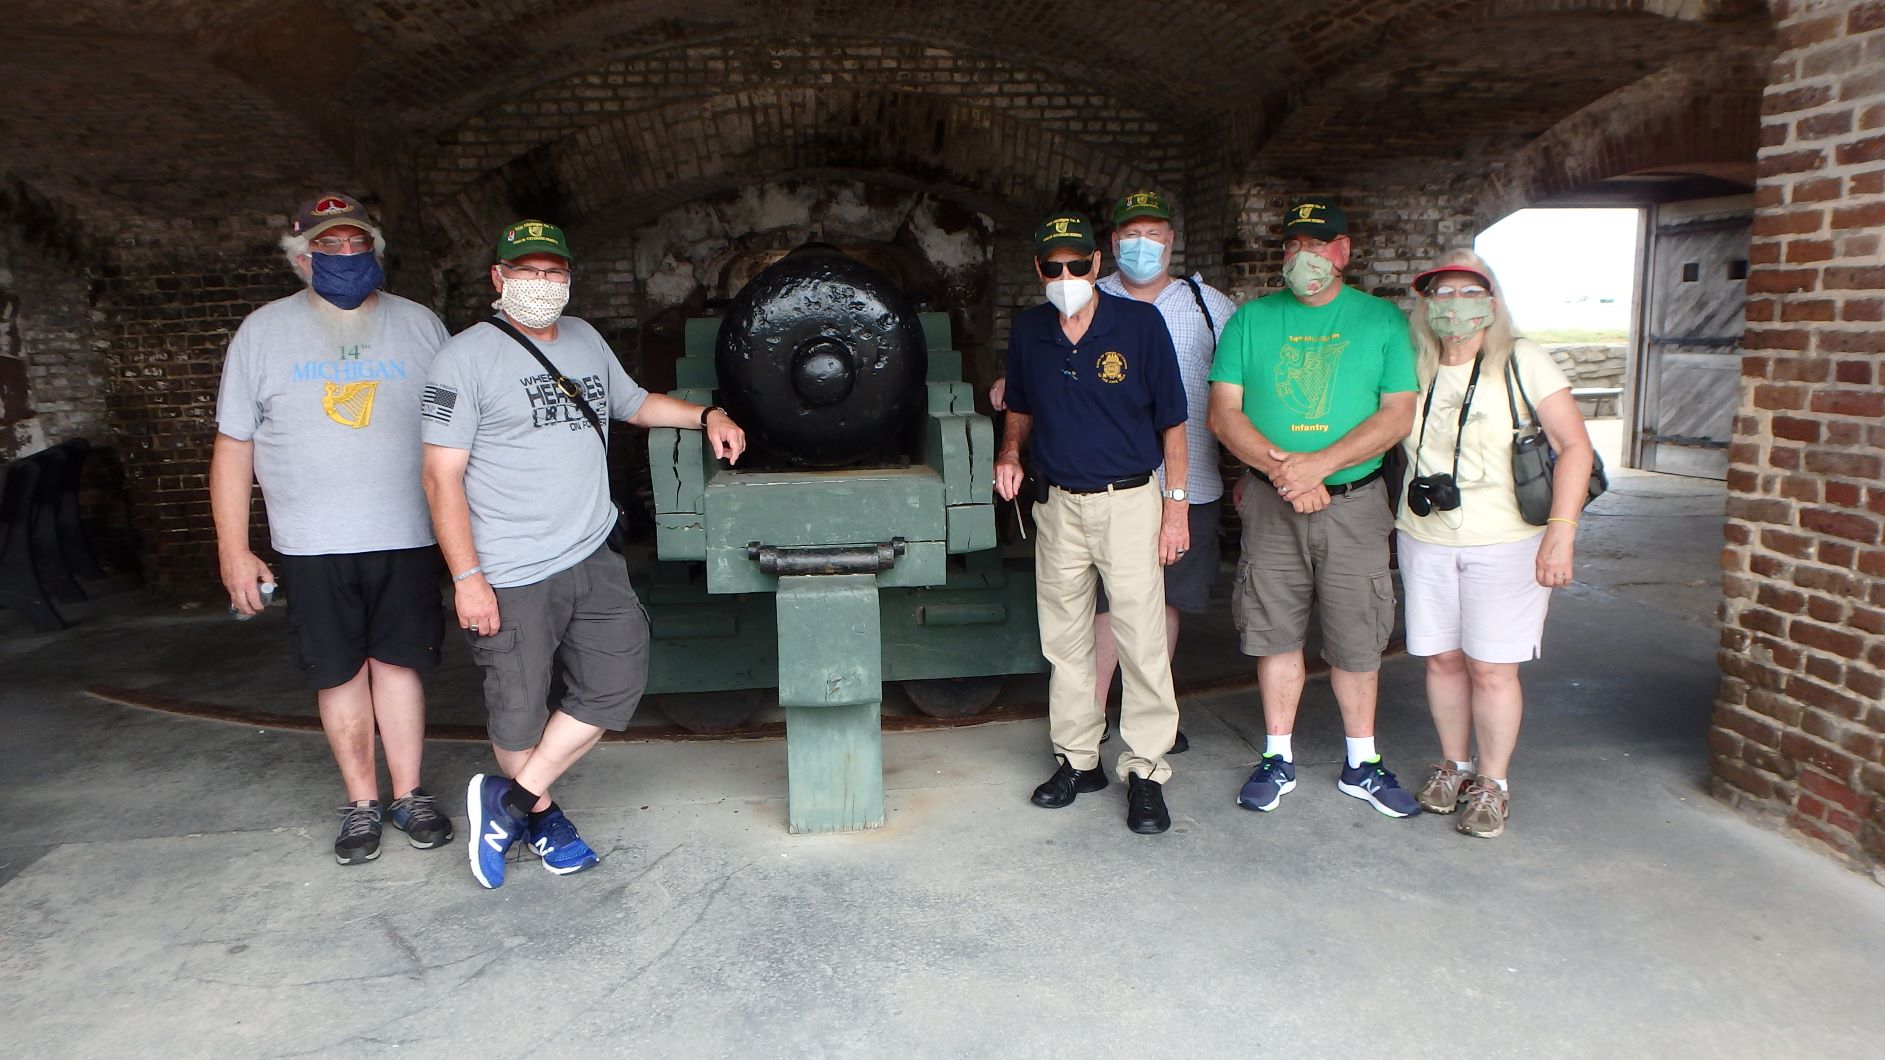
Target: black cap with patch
1064, 231
1315, 218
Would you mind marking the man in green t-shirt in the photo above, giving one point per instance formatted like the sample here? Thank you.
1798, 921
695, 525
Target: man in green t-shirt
1309, 387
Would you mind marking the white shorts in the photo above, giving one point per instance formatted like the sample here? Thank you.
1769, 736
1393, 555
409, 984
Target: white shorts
1484, 600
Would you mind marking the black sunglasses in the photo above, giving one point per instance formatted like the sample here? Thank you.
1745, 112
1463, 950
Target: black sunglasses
1051, 269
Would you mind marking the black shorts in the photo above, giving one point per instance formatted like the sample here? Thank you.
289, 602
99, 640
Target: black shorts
1188, 581
347, 607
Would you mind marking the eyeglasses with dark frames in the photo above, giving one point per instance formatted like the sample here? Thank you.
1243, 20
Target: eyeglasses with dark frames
1051, 269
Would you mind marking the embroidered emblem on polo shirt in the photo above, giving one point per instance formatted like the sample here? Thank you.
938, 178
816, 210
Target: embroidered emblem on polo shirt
1112, 366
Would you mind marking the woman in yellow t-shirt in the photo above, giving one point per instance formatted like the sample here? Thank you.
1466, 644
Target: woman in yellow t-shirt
1477, 576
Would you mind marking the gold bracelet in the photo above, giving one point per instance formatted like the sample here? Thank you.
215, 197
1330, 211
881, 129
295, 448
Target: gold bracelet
1560, 519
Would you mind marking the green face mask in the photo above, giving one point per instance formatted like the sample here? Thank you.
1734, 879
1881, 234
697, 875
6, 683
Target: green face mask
1458, 318
1308, 274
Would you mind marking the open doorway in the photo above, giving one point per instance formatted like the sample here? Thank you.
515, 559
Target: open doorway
1571, 282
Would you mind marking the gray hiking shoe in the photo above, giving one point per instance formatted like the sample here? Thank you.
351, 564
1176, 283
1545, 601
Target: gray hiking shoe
359, 839
1487, 807
418, 816
1441, 792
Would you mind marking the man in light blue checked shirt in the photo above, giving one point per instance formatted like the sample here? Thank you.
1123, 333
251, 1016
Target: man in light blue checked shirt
1195, 313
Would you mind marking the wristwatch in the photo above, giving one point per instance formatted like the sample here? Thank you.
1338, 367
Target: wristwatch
1173, 495
708, 411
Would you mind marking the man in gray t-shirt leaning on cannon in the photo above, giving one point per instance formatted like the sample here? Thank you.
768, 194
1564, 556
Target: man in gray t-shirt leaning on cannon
516, 413
320, 404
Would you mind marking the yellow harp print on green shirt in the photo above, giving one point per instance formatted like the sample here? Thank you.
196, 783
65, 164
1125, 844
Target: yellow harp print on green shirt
1305, 371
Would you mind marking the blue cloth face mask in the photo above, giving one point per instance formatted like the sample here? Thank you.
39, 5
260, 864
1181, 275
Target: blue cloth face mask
1141, 260
346, 279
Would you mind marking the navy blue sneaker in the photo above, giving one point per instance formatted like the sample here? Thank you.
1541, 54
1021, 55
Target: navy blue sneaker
1372, 781
1273, 779
493, 828
556, 842
417, 814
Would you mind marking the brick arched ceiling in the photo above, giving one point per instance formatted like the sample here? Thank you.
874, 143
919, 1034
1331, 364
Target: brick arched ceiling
105, 122
1455, 98
1312, 92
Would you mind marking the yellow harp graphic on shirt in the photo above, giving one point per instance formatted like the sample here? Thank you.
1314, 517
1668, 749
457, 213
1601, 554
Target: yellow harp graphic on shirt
350, 404
1304, 373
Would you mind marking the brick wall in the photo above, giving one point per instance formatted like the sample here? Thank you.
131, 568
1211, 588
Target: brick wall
171, 300
1798, 734
1396, 233
51, 326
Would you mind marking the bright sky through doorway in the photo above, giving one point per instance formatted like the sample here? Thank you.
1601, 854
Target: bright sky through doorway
1566, 269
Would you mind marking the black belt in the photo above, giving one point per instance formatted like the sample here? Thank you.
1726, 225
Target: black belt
1123, 484
1334, 491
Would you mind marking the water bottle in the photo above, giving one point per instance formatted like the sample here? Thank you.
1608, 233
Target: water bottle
268, 595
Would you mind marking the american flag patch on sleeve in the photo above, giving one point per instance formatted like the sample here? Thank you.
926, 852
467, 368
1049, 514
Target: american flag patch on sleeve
437, 402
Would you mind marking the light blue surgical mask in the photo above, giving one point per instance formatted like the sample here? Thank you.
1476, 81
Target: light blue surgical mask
1141, 260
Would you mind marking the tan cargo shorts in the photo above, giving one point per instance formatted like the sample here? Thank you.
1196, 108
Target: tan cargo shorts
1336, 559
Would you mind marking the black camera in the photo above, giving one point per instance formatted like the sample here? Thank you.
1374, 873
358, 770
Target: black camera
1435, 492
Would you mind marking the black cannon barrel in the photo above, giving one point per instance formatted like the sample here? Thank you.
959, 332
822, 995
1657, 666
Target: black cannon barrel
821, 359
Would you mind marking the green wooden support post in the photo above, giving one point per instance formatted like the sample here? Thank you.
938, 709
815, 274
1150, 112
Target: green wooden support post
831, 686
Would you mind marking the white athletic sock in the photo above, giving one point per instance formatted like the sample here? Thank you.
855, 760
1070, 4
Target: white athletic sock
1501, 782
1360, 749
1278, 745
1464, 767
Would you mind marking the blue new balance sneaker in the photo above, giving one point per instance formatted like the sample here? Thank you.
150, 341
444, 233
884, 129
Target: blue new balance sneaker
556, 842
1273, 779
492, 828
1372, 782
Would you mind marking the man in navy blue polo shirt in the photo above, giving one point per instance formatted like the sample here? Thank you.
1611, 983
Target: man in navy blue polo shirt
1094, 381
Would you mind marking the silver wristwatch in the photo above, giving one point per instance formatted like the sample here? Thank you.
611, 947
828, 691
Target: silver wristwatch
1173, 495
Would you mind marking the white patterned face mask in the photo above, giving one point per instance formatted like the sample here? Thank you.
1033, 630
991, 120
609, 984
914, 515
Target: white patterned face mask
533, 303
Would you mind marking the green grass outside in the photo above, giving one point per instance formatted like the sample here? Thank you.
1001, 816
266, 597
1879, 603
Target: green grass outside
1580, 336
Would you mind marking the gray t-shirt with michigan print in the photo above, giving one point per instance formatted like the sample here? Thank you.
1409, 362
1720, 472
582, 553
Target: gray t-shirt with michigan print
537, 479
332, 406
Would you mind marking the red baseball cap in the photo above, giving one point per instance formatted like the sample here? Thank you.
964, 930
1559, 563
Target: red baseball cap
1425, 279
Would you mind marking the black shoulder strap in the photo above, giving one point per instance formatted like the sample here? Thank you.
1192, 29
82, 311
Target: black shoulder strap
1513, 382
564, 383
1198, 293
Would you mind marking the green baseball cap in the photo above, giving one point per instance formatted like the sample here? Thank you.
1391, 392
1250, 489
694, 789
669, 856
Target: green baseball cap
1315, 218
532, 237
1142, 204
1064, 231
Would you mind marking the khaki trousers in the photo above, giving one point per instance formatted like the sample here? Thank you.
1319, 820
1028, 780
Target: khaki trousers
1080, 539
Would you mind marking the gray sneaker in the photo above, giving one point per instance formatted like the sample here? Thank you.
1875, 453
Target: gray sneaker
359, 839
417, 815
1441, 792
1487, 807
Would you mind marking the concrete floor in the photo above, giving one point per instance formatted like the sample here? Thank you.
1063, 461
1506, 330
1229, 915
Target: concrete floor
167, 887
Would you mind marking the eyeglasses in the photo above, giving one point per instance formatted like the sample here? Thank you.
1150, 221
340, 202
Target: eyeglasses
531, 272
1447, 290
1067, 369
1051, 269
1294, 244
341, 244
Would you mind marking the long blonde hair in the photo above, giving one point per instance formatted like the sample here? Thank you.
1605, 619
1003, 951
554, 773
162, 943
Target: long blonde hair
1501, 334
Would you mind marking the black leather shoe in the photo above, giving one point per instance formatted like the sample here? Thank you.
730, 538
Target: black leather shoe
1145, 806
1180, 745
1066, 783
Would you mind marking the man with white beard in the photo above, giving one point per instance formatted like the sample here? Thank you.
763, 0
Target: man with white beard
320, 405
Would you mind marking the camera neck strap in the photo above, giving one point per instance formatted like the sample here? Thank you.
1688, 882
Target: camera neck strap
1466, 409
